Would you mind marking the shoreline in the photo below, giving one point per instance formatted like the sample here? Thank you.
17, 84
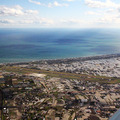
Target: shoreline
66, 60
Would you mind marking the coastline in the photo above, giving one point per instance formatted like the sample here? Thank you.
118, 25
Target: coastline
66, 60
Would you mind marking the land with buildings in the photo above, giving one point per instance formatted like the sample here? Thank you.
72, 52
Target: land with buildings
106, 65
79, 89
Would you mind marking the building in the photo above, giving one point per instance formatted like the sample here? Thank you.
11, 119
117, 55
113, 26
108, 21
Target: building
8, 80
1, 103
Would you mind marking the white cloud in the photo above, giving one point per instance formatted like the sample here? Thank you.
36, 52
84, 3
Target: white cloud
118, 10
54, 4
45, 21
26, 22
18, 7
17, 16
112, 19
72, 21
35, 21
105, 20
99, 4
92, 13
35, 2
31, 12
15, 11
69, 0
108, 16
6, 21
111, 10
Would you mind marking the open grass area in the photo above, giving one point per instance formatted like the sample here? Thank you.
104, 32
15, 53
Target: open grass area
100, 79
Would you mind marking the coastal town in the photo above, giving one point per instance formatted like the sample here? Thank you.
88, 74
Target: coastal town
102, 66
28, 92
59, 59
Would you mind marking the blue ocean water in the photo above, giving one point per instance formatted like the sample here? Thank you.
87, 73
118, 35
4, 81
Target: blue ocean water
18, 45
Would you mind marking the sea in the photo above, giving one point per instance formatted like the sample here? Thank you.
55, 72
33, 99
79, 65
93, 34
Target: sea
22, 44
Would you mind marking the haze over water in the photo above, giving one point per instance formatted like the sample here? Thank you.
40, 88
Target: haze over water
18, 45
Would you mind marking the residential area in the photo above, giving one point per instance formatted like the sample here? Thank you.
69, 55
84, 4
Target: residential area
38, 96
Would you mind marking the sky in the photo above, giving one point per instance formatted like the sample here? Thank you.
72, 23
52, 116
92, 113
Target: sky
59, 13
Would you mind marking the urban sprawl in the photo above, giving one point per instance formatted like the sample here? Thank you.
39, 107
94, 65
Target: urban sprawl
68, 89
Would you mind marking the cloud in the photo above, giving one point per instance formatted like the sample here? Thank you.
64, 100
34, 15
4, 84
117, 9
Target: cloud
110, 15
6, 21
69, 0
15, 11
92, 13
108, 19
31, 12
18, 16
25, 21
118, 9
99, 4
36, 21
72, 21
35, 2
22, 22
45, 21
105, 20
54, 4
18, 7
111, 10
